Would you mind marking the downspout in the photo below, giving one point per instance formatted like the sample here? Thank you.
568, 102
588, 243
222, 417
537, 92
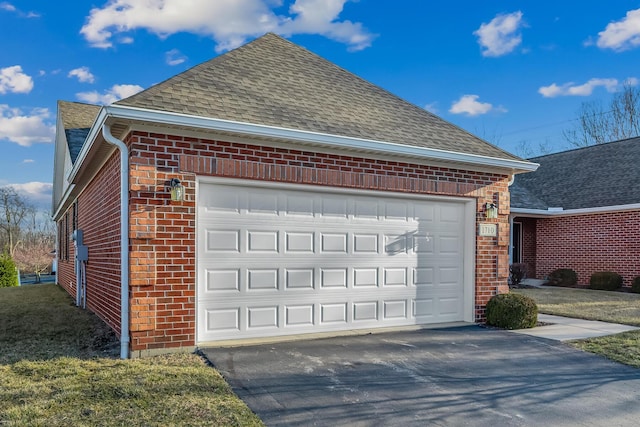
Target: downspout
124, 239
511, 216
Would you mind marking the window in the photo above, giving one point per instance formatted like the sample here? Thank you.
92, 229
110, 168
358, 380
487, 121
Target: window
66, 236
75, 217
60, 240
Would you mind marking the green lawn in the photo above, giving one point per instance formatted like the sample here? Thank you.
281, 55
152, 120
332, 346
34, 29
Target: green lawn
59, 367
616, 307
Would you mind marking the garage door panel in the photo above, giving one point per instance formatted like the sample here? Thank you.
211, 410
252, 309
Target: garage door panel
275, 261
222, 280
262, 317
365, 311
334, 243
262, 279
333, 313
222, 240
299, 315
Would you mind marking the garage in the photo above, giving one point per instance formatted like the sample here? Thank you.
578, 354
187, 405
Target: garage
278, 259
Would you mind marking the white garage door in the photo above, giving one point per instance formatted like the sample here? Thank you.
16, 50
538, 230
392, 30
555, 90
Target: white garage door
278, 261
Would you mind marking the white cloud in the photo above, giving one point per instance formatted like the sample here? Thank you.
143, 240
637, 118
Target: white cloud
432, 107
623, 34
83, 74
115, 93
469, 105
174, 57
12, 79
28, 161
11, 8
25, 128
229, 22
586, 89
8, 7
39, 193
501, 35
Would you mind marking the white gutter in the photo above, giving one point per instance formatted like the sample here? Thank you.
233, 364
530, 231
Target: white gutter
264, 131
64, 197
553, 212
124, 239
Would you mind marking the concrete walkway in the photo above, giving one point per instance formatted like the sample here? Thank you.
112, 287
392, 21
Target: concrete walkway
565, 328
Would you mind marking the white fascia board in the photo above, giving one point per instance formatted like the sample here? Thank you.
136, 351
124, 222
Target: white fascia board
133, 113
64, 197
570, 212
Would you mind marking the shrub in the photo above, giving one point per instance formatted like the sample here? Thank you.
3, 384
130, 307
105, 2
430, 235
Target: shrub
563, 277
8, 272
635, 286
517, 272
512, 311
605, 281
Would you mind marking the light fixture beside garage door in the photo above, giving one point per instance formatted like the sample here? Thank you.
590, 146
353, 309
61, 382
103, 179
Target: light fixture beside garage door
176, 189
490, 210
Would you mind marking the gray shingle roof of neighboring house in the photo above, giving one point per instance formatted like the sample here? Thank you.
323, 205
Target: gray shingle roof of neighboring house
596, 176
274, 82
77, 119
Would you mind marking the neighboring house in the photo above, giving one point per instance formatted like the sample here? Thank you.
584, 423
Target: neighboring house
580, 210
314, 201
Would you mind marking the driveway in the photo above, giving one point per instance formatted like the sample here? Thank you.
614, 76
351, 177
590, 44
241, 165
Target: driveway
458, 376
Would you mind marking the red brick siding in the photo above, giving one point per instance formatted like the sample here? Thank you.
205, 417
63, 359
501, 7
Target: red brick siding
590, 243
163, 233
66, 269
99, 218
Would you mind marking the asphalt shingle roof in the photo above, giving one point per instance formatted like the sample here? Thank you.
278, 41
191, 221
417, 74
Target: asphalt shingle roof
596, 176
274, 82
77, 119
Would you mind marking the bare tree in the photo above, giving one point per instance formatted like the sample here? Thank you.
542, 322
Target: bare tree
34, 257
14, 209
34, 251
527, 150
597, 124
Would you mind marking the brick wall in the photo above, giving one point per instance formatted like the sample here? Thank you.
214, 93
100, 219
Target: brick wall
163, 233
590, 243
98, 210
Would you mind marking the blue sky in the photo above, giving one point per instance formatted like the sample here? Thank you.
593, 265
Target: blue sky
512, 72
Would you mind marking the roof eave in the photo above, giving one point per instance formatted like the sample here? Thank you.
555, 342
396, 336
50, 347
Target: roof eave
179, 119
335, 141
544, 213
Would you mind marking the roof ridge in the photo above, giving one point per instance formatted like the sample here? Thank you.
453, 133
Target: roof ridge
272, 81
592, 146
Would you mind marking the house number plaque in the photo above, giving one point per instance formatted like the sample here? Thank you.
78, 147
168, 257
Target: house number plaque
488, 230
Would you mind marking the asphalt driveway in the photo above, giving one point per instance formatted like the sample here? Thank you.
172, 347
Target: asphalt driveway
459, 376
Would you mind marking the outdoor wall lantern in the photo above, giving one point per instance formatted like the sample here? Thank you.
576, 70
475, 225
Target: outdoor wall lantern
490, 210
176, 189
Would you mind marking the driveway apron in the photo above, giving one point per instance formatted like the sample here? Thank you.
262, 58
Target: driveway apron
463, 376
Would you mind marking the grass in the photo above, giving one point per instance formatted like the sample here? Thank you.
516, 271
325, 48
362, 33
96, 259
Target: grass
59, 367
616, 307
607, 306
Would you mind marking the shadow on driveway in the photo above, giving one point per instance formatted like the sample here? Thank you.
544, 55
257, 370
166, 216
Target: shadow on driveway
457, 376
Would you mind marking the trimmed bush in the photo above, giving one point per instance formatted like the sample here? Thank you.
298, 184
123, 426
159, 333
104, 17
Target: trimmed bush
517, 273
605, 281
8, 272
512, 311
563, 277
635, 286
